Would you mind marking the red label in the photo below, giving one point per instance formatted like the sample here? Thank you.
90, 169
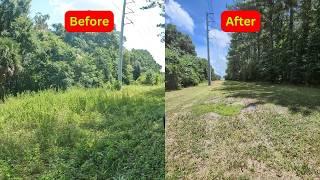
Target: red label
241, 21
89, 21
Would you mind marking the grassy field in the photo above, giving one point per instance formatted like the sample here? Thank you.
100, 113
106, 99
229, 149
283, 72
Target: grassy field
237, 130
83, 134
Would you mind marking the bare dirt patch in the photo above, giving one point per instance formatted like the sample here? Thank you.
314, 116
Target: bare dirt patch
249, 108
211, 116
261, 170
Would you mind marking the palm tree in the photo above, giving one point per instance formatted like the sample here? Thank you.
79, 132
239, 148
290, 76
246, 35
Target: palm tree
9, 62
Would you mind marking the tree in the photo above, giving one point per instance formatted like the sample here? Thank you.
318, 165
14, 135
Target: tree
136, 70
179, 41
190, 75
286, 48
105, 62
41, 21
21, 31
59, 30
10, 10
150, 78
161, 4
58, 59
60, 75
9, 62
145, 59
86, 73
183, 68
172, 76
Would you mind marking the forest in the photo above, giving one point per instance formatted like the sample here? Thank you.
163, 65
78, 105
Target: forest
183, 67
35, 57
286, 50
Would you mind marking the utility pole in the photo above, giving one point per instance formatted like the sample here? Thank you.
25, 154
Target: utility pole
121, 38
208, 48
121, 43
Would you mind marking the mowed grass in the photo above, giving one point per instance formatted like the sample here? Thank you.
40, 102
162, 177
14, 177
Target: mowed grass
272, 132
83, 134
220, 109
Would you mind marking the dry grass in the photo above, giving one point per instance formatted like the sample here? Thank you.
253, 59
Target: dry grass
276, 135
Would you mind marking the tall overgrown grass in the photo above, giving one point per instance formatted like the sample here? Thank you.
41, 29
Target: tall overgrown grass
83, 134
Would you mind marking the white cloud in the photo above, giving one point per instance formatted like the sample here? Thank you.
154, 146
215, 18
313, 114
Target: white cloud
219, 44
178, 16
60, 7
221, 38
143, 34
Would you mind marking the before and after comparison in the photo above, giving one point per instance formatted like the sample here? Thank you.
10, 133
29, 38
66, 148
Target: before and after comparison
159, 89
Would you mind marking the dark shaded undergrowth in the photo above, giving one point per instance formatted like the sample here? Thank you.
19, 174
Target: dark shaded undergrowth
298, 99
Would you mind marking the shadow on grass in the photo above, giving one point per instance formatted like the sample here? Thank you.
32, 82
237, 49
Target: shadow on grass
298, 99
158, 92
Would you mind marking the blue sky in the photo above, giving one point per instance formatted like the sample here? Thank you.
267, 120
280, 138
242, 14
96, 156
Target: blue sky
140, 35
42, 7
189, 16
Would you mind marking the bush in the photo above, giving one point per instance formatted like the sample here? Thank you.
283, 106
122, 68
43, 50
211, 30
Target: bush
116, 85
172, 77
150, 78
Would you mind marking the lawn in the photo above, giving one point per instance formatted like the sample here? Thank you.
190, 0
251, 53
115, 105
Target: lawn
83, 134
237, 130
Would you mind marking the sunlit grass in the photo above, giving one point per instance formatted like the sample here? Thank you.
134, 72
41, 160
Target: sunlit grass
264, 131
83, 134
221, 109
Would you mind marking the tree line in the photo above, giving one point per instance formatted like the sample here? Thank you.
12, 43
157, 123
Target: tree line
34, 57
286, 50
183, 67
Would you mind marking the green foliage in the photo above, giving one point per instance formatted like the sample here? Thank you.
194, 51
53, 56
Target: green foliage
57, 59
136, 71
286, 50
105, 62
151, 78
86, 73
41, 21
83, 134
20, 30
160, 78
179, 41
116, 85
77, 133
9, 53
189, 71
59, 75
10, 10
173, 79
183, 68
144, 59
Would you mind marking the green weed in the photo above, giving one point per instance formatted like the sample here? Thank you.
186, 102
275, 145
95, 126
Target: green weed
83, 134
221, 109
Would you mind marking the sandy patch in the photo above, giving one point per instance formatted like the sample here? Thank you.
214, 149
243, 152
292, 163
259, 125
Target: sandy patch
211, 116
